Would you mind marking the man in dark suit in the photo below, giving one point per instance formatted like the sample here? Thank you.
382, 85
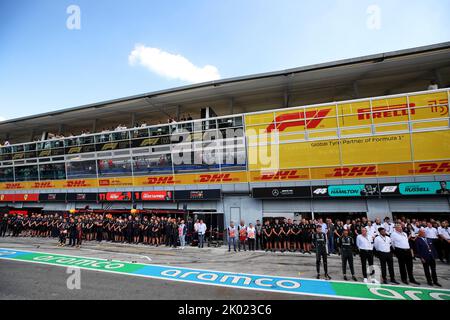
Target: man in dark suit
427, 254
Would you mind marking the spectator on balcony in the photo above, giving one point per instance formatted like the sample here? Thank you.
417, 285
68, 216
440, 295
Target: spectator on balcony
433, 85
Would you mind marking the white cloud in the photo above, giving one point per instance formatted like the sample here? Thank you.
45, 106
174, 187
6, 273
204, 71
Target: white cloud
2, 118
172, 66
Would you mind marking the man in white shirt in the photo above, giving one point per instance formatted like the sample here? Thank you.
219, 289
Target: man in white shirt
432, 234
376, 225
433, 85
201, 233
388, 226
444, 235
365, 247
400, 243
382, 244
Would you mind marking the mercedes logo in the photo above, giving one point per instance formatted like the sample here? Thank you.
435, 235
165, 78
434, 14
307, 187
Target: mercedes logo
275, 192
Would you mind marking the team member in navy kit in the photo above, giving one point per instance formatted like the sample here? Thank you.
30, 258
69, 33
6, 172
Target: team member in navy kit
346, 245
320, 243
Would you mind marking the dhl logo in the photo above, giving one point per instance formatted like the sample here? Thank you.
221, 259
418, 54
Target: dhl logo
14, 186
160, 180
443, 167
45, 153
76, 184
281, 175
110, 146
42, 185
397, 110
18, 156
149, 142
308, 119
221, 177
74, 150
355, 171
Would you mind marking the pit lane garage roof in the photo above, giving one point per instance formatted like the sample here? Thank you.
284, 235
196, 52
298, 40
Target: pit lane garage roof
374, 75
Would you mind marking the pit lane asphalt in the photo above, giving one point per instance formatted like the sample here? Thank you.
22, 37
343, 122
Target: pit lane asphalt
32, 281
25, 281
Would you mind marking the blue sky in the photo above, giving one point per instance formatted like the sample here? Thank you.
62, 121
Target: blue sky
45, 66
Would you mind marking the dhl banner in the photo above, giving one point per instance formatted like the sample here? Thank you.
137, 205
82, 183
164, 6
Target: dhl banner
319, 173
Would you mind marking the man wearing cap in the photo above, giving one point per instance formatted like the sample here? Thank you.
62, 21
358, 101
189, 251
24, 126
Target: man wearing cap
427, 253
383, 244
402, 250
320, 243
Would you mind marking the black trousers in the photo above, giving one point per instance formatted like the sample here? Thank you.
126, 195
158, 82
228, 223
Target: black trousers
3, 230
437, 243
347, 257
430, 265
72, 239
446, 246
386, 258
321, 253
259, 242
366, 257
405, 263
251, 244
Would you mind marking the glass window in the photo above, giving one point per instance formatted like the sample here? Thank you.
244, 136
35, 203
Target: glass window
152, 164
114, 167
160, 131
140, 133
26, 173
18, 148
85, 140
121, 135
30, 147
81, 169
52, 171
57, 144
6, 174
195, 161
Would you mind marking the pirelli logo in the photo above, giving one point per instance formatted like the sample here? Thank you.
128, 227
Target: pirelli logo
281, 175
428, 168
398, 110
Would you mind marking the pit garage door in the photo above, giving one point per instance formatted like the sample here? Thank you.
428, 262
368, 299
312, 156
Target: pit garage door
419, 205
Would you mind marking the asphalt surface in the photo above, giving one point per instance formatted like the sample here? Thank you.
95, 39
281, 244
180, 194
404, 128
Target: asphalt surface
22, 280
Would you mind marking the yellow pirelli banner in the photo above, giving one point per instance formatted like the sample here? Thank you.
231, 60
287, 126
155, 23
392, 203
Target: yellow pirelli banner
351, 133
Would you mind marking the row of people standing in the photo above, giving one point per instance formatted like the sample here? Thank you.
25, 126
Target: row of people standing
152, 230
